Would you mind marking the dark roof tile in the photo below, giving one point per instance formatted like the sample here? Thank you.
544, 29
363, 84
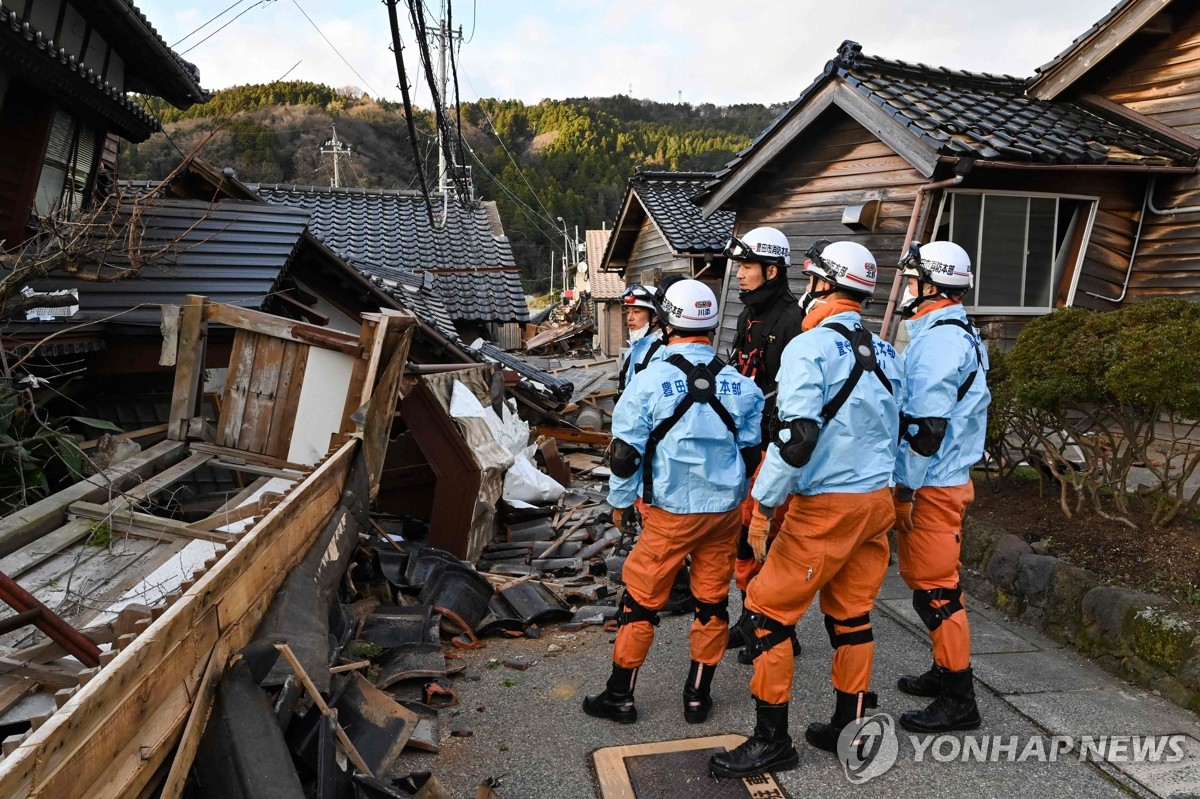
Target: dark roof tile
473, 271
667, 198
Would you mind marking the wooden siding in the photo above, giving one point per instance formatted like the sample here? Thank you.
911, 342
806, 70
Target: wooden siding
24, 130
651, 252
835, 164
1168, 256
1164, 82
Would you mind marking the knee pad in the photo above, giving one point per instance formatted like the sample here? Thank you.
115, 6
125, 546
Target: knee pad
706, 611
630, 610
777, 632
931, 615
853, 637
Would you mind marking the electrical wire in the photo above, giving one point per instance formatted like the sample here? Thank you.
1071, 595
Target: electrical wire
474, 17
238, 16
331, 45
408, 110
206, 24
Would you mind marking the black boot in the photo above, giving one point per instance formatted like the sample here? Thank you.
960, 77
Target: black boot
697, 697
616, 701
770, 748
847, 709
746, 655
736, 639
927, 684
954, 709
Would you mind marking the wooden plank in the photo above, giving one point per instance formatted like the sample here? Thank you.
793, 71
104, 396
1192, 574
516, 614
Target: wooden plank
225, 518
237, 385
14, 691
577, 436
132, 434
358, 387
24, 526
150, 685
152, 485
260, 399
256, 469
54, 676
287, 397
197, 719
238, 456
280, 327
135, 523
382, 407
190, 370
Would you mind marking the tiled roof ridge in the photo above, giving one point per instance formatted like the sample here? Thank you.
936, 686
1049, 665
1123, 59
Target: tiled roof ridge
85, 73
850, 57
645, 175
1081, 38
297, 188
186, 65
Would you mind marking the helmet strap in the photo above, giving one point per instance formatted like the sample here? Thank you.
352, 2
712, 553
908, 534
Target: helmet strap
922, 297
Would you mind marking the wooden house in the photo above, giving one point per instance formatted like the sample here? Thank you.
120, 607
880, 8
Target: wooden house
660, 231
66, 68
606, 290
1048, 185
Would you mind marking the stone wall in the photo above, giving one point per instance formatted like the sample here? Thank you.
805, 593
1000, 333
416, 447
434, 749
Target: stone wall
1127, 632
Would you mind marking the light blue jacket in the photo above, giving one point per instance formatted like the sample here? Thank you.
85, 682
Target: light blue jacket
698, 466
856, 450
936, 363
637, 352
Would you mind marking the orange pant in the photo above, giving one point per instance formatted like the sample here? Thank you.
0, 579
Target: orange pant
666, 539
929, 558
745, 568
835, 544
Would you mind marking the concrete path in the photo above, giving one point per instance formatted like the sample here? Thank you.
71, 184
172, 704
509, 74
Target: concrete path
528, 729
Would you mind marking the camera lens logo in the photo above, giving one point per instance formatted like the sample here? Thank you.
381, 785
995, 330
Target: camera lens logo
868, 747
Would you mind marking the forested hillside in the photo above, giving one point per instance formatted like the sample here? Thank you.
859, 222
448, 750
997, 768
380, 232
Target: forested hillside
567, 158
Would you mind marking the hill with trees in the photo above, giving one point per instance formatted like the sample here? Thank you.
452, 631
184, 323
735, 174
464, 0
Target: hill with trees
567, 158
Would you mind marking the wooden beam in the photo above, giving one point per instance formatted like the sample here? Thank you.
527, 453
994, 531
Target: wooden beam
112, 736
189, 370
132, 434
238, 456
280, 327
141, 524
576, 436
908, 146
24, 526
254, 468
1124, 114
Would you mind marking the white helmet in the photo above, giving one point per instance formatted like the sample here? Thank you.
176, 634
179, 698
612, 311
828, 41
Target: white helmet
638, 296
942, 263
689, 305
846, 264
763, 245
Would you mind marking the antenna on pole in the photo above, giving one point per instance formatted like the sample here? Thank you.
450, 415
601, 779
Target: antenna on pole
336, 148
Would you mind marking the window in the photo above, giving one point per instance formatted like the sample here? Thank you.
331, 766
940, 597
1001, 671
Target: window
1021, 245
70, 156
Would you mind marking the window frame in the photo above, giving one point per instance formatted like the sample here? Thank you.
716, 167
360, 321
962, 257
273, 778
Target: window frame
1083, 236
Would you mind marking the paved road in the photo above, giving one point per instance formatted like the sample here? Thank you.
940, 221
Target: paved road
534, 736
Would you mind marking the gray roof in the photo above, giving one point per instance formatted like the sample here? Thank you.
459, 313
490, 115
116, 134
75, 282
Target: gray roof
230, 251
979, 116
473, 270
667, 197
414, 291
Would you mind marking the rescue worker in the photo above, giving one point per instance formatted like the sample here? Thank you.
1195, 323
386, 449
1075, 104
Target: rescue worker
644, 341
943, 424
646, 331
685, 437
770, 319
833, 445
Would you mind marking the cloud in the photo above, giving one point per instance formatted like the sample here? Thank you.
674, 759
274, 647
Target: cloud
721, 52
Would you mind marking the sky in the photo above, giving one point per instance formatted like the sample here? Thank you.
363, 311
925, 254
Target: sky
693, 51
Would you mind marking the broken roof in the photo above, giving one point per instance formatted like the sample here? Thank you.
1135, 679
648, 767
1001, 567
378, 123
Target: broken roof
666, 197
604, 285
233, 252
473, 270
926, 112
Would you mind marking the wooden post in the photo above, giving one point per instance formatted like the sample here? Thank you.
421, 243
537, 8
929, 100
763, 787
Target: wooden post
189, 369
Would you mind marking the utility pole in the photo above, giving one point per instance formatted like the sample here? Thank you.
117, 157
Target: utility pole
445, 39
337, 149
552, 276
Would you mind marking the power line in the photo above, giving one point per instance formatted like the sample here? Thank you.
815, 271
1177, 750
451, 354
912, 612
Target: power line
474, 17
238, 16
209, 22
339, 54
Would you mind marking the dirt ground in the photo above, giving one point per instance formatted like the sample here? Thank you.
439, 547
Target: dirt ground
1163, 561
